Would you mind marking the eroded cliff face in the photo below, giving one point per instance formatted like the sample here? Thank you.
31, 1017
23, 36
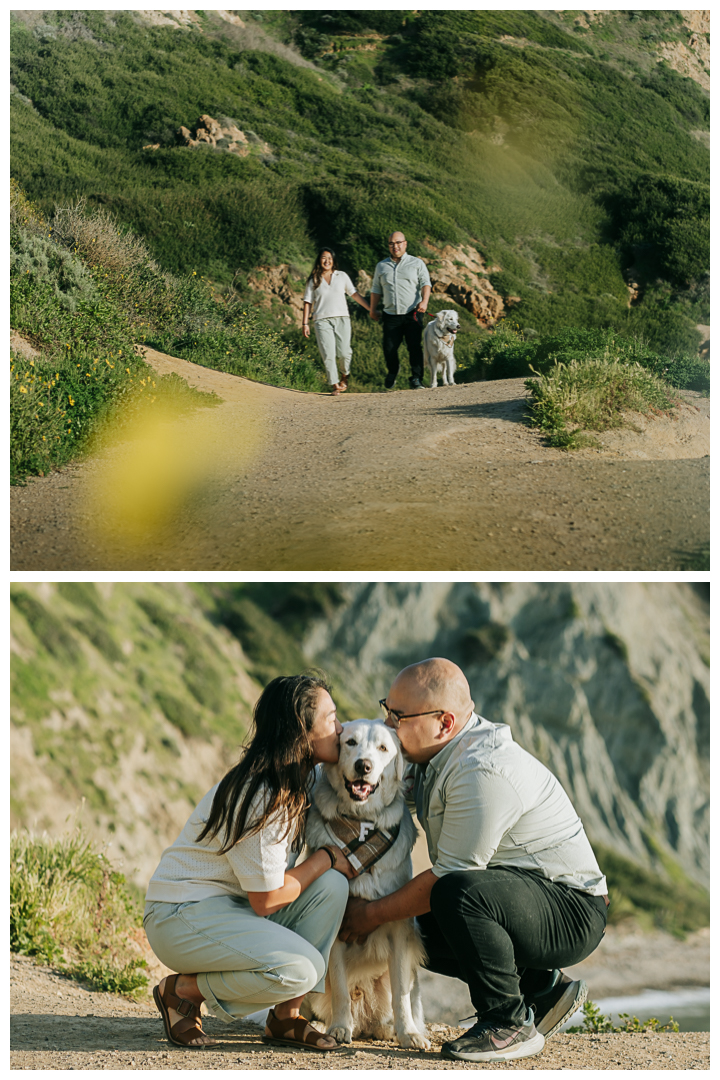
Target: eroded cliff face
607, 684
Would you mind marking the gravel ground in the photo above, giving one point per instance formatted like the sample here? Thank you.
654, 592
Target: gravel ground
57, 1024
450, 479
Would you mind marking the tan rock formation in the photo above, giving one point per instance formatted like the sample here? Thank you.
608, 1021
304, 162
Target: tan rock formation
272, 281
692, 59
226, 137
459, 276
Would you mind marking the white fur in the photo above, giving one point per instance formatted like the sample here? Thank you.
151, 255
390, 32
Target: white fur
371, 988
439, 347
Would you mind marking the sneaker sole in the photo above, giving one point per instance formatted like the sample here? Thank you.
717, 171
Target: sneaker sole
568, 1004
525, 1049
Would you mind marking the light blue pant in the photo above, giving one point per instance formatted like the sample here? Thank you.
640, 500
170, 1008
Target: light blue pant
333, 339
244, 962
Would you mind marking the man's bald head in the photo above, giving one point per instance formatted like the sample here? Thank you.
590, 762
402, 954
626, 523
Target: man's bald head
438, 684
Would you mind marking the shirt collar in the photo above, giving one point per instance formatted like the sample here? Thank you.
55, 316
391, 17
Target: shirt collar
439, 760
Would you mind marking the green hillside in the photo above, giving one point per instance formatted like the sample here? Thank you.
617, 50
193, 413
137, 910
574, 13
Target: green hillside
567, 156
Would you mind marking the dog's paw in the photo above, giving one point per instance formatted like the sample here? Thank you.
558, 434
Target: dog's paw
413, 1040
341, 1034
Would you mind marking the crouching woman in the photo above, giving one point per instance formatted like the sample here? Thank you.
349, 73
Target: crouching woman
227, 907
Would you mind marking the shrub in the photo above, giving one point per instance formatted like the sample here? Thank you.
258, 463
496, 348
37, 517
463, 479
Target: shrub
595, 1023
70, 908
36, 257
592, 394
96, 235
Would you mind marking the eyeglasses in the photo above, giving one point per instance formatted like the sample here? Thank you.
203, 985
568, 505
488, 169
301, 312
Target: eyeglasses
394, 717
396, 243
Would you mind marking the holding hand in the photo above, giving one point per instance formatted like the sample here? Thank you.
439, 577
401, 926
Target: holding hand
341, 862
357, 922
306, 329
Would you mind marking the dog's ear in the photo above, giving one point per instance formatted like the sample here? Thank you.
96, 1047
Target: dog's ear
442, 319
399, 759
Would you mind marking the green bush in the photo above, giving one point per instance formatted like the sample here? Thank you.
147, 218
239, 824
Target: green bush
70, 908
592, 394
510, 353
595, 1023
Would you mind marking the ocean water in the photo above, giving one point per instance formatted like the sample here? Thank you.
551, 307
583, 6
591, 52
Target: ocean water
689, 1006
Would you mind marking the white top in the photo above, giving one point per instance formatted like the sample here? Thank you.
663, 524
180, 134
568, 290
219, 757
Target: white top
484, 801
189, 870
329, 301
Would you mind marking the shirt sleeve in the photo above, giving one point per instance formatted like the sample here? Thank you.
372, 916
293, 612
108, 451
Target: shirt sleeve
423, 275
376, 287
480, 806
259, 861
309, 290
349, 287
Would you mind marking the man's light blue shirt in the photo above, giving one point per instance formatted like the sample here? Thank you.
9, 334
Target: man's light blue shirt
483, 801
400, 283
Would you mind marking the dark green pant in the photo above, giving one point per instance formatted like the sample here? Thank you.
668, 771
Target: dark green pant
502, 931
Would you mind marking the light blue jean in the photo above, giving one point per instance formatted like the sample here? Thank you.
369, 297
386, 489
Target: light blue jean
333, 339
244, 962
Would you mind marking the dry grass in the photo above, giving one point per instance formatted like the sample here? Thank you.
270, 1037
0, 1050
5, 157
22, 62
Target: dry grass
96, 236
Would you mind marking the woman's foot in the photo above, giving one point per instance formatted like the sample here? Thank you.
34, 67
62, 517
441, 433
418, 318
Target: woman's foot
338, 388
297, 1031
343, 384
182, 1028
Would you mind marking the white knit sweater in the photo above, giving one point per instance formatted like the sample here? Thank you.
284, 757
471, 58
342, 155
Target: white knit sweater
192, 870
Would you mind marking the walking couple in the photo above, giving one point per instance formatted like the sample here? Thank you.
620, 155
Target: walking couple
404, 284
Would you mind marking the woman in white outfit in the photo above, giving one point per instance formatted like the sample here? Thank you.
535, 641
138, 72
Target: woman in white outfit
227, 907
325, 293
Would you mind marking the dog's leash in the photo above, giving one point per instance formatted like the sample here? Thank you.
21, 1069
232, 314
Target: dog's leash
362, 842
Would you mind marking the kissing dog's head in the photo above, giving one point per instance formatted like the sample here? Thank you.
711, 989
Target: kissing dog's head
370, 764
448, 322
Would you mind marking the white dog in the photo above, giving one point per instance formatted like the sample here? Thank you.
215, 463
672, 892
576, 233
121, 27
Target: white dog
439, 347
370, 985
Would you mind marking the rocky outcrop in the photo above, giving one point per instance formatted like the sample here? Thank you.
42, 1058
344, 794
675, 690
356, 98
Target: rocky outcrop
220, 136
607, 684
693, 58
459, 276
276, 283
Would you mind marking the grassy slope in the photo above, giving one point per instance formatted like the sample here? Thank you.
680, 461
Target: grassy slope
536, 153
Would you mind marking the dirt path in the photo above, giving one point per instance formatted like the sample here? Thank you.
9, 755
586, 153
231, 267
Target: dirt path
434, 480
57, 1024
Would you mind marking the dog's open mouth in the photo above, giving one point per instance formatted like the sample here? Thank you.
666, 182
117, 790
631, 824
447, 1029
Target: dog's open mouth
360, 790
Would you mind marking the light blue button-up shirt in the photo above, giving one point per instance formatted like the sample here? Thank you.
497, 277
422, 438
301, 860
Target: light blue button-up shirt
484, 801
400, 283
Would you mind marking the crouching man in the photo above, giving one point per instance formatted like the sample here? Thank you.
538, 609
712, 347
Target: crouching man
514, 893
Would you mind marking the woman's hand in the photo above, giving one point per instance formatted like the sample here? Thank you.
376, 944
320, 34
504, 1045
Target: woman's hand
341, 862
306, 329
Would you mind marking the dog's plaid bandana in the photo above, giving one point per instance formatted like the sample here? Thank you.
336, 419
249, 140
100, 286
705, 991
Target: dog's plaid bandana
362, 843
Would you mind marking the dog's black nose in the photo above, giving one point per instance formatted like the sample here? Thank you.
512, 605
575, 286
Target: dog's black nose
363, 766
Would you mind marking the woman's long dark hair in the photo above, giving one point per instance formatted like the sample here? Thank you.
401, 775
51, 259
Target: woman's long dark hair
317, 270
279, 757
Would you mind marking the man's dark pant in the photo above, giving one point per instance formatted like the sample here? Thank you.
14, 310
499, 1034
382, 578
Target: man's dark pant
407, 328
502, 931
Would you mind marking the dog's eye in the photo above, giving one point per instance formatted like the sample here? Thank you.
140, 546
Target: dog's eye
351, 742
383, 749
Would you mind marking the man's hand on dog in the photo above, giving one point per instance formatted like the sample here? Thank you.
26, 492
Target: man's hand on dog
358, 922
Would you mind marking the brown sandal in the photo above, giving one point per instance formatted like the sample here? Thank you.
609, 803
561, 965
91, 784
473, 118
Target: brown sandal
296, 1031
191, 1024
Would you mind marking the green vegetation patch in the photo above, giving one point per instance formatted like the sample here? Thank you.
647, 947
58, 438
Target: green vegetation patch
673, 903
592, 394
71, 909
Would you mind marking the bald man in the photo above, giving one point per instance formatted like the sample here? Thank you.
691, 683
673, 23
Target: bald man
404, 284
514, 893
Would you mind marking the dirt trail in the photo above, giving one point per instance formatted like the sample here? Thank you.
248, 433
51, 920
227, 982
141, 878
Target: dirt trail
444, 480
57, 1024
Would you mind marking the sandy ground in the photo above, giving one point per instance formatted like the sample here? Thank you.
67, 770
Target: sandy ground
451, 479
57, 1024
